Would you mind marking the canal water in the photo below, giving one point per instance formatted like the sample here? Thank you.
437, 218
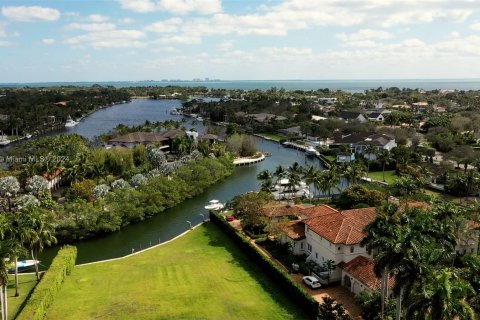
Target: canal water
172, 222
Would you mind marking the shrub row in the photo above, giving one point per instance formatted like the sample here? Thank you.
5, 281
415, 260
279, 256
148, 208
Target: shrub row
294, 291
47, 289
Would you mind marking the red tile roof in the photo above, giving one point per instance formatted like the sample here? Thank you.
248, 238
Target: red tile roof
345, 227
295, 230
361, 268
317, 211
281, 210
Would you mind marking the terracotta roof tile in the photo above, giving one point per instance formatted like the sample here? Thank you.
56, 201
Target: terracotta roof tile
345, 227
361, 268
317, 211
281, 210
295, 230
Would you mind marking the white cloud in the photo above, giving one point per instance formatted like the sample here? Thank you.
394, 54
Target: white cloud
91, 26
109, 39
173, 6
126, 21
179, 39
365, 34
3, 32
7, 44
475, 26
98, 18
29, 14
165, 26
48, 41
225, 45
422, 16
164, 49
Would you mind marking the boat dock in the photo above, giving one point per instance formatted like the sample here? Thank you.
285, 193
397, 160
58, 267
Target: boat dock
304, 148
248, 161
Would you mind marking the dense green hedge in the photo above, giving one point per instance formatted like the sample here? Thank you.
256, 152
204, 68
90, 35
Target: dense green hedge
46, 290
294, 291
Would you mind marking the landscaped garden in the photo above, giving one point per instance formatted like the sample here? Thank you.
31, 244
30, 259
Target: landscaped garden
201, 275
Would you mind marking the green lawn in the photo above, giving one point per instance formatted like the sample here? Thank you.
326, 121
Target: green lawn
26, 283
201, 275
274, 137
390, 176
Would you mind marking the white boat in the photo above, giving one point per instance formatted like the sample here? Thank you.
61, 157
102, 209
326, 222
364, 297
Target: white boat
199, 119
215, 205
4, 140
310, 152
22, 265
70, 123
175, 111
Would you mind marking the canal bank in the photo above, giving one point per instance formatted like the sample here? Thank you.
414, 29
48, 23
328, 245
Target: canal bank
172, 222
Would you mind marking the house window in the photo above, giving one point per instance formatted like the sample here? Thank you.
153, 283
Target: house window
301, 245
309, 247
339, 248
316, 255
352, 248
307, 229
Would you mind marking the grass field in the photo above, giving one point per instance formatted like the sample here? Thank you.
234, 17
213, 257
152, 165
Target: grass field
390, 176
26, 283
201, 275
274, 137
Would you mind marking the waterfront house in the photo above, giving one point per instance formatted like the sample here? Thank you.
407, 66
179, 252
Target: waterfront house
345, 157
163, 140
359, 142
53, 178
291, 132
352, 116
265, 117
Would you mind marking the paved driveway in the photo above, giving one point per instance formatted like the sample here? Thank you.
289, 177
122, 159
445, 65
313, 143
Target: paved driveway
339, 293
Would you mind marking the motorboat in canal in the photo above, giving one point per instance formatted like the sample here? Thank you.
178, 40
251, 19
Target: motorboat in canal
4, 140
70, 123
215, 205
22, 265
311, 152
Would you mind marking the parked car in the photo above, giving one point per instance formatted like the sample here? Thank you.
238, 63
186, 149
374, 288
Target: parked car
312, 282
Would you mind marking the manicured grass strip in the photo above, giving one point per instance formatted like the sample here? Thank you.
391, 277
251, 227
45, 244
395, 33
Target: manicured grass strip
202, 275
26, 284
272, 136
390, 176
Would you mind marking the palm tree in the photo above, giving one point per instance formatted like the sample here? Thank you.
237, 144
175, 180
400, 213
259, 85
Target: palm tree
309, 177
329, 179
369, 153
40, 231
293, 181
354, 171
279, 173
444, 297
265, 178
5, 254
385, 158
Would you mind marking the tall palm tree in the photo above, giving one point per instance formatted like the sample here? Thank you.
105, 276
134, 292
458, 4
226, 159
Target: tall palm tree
329, 180
369, 153
265, 178
385, 158
293, 181
354, 171
279, 173
444, 297
309, 177
40, 231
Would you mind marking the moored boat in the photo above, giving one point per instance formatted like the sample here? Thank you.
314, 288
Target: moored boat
70, 123
310, 152
215, 205
22, 265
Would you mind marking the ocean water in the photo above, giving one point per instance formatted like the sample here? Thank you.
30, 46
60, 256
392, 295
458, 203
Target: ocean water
346, 85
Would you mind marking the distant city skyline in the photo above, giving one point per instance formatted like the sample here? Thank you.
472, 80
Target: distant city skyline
119, 40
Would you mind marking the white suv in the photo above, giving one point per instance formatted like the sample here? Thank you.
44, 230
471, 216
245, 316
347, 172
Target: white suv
312, 282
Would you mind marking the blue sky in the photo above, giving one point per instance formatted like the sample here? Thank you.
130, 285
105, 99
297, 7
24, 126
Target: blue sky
115, 40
